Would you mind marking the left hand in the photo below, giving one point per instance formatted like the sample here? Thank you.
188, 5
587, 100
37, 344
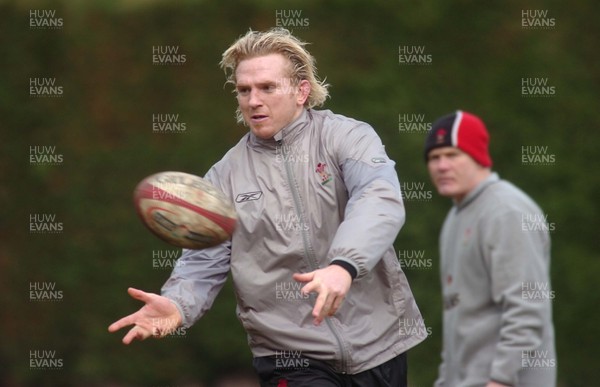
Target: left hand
331, 284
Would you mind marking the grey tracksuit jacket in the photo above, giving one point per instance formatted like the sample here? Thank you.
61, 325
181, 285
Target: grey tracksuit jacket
322, 190
495, 262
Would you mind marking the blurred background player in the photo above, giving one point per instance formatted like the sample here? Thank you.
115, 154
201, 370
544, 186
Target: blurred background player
495, 261
319, 208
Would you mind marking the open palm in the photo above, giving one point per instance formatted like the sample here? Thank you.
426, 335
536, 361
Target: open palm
158, 317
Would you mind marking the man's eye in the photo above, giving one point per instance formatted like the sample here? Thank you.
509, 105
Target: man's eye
243, 91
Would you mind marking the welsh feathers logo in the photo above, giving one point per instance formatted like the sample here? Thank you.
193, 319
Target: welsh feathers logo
440, 135
322, 171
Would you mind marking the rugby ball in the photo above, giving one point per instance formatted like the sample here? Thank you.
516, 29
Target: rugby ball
184, 210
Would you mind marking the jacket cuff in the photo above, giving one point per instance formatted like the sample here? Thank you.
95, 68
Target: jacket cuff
346, 265
181, 311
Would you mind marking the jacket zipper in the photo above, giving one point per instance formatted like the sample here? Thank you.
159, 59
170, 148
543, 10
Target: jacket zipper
308, 250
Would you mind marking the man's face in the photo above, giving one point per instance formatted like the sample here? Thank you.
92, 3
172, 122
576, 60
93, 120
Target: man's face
453, 172
266, 96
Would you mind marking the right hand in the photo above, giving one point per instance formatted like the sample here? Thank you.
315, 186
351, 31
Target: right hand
157, 318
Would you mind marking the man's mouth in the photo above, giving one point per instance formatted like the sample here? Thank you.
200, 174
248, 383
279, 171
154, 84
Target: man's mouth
259, 117
444, 180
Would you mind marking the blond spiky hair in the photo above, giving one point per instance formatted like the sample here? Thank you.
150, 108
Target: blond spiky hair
277, 41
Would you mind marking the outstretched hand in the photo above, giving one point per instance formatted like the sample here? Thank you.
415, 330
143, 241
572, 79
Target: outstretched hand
331, 284
157, 318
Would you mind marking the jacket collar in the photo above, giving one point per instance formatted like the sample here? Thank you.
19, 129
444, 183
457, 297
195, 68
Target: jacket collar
288, 134
471, 196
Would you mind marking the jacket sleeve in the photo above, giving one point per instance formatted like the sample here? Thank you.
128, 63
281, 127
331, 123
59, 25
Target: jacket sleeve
518, 260
196, 280
374, 213
198, 276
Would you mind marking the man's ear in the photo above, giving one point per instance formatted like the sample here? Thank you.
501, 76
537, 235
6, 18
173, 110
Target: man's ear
303, 91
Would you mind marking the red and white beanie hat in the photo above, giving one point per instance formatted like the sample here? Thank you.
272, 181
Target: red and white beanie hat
464, 131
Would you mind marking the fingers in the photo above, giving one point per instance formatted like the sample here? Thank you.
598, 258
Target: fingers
139, 294
326, 305
312, 286
125, 321
132, 318
142, 329
304, 277
321, 308
136, 333
128, 338
331, 284
158, 317
336, 305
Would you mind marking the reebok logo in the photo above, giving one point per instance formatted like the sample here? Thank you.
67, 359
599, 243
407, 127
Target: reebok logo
248, 196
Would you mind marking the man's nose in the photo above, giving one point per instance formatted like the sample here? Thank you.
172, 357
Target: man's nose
254, 100
443, 163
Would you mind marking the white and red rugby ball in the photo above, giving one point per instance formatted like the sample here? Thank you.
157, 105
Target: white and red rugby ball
184, 210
